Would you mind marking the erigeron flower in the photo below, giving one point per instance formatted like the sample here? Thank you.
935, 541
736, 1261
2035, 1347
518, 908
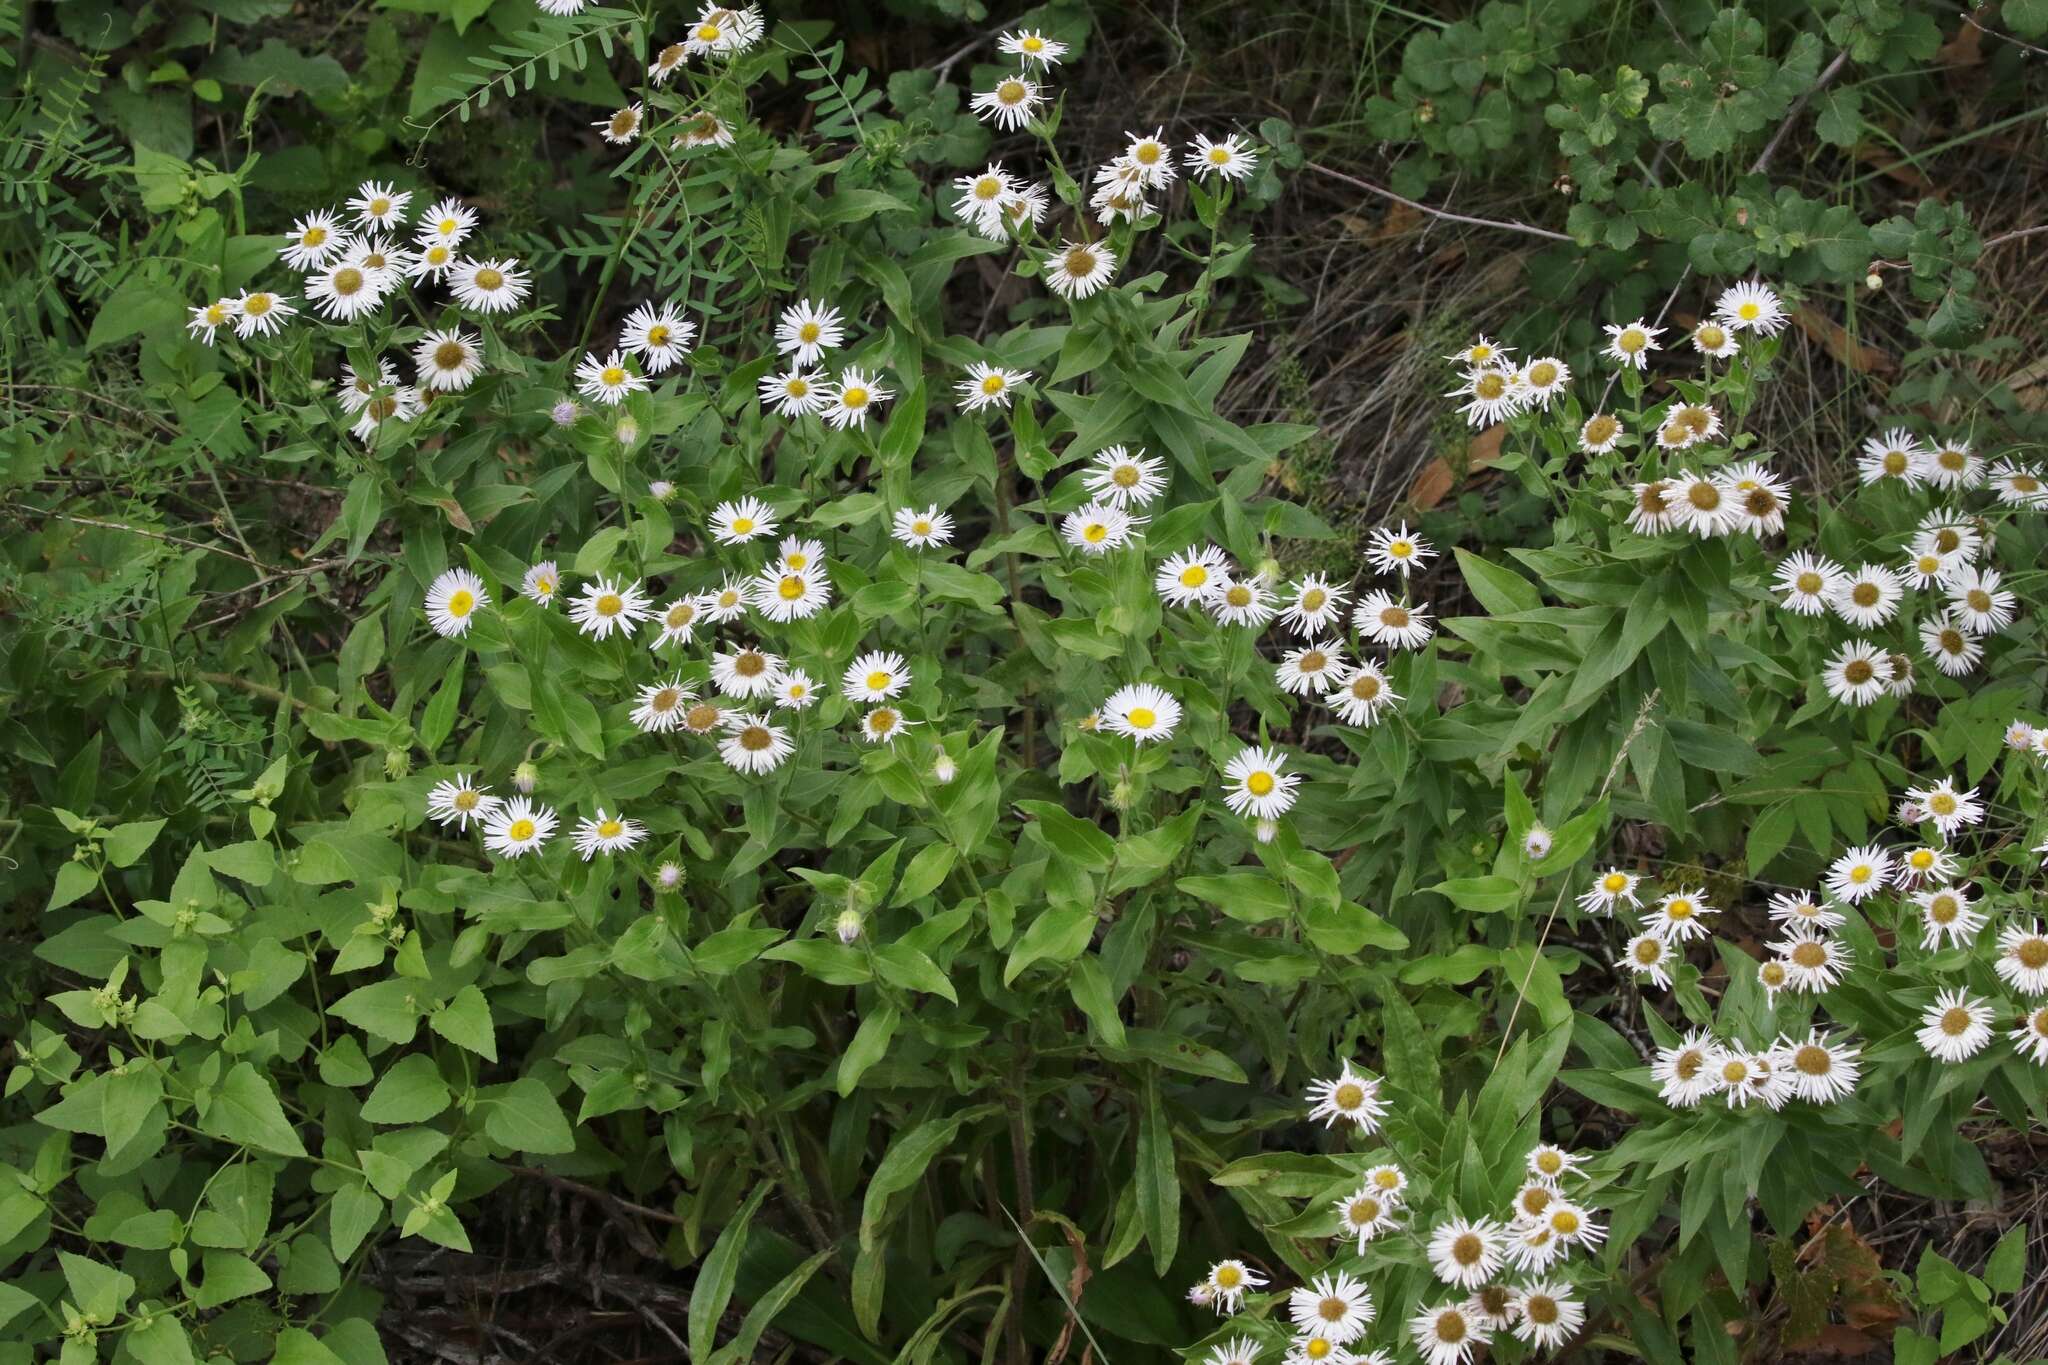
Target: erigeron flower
1552, 1163
493, 286
1673, 436
448, 223
1856, 673
1311, 668
433, 261
1952, 464
1954, 650
1013, 102
607, 381
1545, 1314
1923, 865
448, 360
1684, 1074
794, 393
1926, 568
1141, 711
1030, 45
2023, 958
703, 716
1599, 434
729, 602
1979, 603
981, 196
1398, 551
1332, 1306
661, 706
1352, 1096
679, 620
882, 724
1680, 917
1649, 957
1760, 498
1609, 891
1544, 378
1861, 872
703, 129
541, 583
518, 827
260, 313
1235, 1351
852, 399
461, 801
563, 9
794, 689
608, 605
807, 330
1098, 528
1950, 533
1652, 511
719, 31
1820, 1071
1243, 602
1254, 786
354, 390
1751, 307
1190, 577
1809, 582
920, 530
1711, 338
875, 676
1491, 395
1314, 604
1573, 1225
1359, 695
1868, 597
1956, 1027
1466, 1252
1395, 625
1231, 158
1533, 1248
2018, 485
343, 292
1895, 455
1365, 1213
1447, 1334
660, 336
746, 672
1814, 962
737, 522
1227, 1282
1740, 1077
1483, 351
782, 594
1948, 808
1078, 269
607, 834
1537, 842
1703, 504
453, 600
1796, 909
1125, 478
1533, 1198
1021, 209
1152, 157
1774, 976
752, 745
623, 125
400, 404
313, 241
2020, 735
988, 386
210, 318
1629, 344
666, 62
2030, 1039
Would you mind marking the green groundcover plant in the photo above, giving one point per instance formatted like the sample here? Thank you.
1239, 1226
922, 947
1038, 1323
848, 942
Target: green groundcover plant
838, 741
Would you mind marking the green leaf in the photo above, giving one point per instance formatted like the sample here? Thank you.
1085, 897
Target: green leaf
229, 1275
466, 1022
908, 969
1070, 836
720, 1271
2006, 1271
354, 1214
1501, 591
869, 1045
1089, 984
99, 1290
126, 843
245, 1109
410, 1092
1158, 1188
1059, 934
1482, 895
1253, 897
525, 1117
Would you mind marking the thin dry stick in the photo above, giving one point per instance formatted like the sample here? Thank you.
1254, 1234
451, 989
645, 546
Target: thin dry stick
1613, 770
1528, 229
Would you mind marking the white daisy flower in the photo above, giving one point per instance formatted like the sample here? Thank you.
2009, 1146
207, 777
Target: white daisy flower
1014, 102
1820, 1071
1359, 695
1483, 351
401, 404
210, 318
729, 602
434, 260
1760, 499
1743, 1077
807, 330
1752, 307
1543, 379
1533, 1248
1553, 1163
794, 689
1651, 510
679, 620
981, 196
2023, 958
1979, 603
1856, 673
1352, 1096
1447, 1334
1545, 1314
920, 530
607, 834
1703, 504
1191, 577
1024, 208
1861, 872
1491, 395
704, 129
988, 386
1151, 157
1125, 478
721, 31
1713, 339
607, 605
453, 601
746, 672
1948, 808
1895, 455
1365, 1213
2018, 485
1030, 45
1231, 158
1599, 434
1680, 917
1395, 625
493, 286
736, 523
1332, 1306
875, 676
1235, 1350
1142, 712
1815, 962
661, 337
2020, 735
1952, 464
1684, 1074
1466, 1252
1243, 602
1798, 910
1078, 269
447, 223
1398, 551
447, 359
2030, 1039
518, 827
1955, 1027
666, 63
260, 313
313, 241
794, 393
1868, 597
1314, 604
607, 381
623, 125
1099, 527
1572, 1225
852, 399
461, 801
356, 390
1227, 1282
1927, 569
1610, 890
660, 707
1629, 344
1650, 958
1809, 582
1954, 650
782, 594
882, 724
343, 292
1254, 786
1390, 1180
541, 583
563, 9
1311, 668
752, 745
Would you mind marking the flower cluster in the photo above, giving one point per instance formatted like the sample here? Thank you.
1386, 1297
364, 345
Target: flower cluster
1814, 1068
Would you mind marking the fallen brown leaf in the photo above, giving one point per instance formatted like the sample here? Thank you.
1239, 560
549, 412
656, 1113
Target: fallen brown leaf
1843, 347
1436, 478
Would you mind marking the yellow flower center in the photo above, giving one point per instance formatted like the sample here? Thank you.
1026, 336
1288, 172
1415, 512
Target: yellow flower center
1810, 955
1312, 661
1540, 1309
610, 829
1489, 386
1600, 430
1865, 594
1631, 340
755, 738
624, 122
1951, 460
610, 604
1318, 1348
1749, 311
702, 717
437, 255
882, 722
749, 664
1125, 476
1364, 1211
1395, 618
466, 799
2033, 953
1862, 873
1734, 1071
1955, 1022
1219, 156
664, 700
878, 681
1614, 883
1228, 1277
490, 279
1011, 92
854, 397
1712, 338
1261, 784
460, 602
1858, 671
1193, 576
1238, 595
1143, 718
520, 830
1350, 1094
1564, 1222
1365, 687
708, 33
994, 384
1649, 952
1813, 1061
612, 377
256, 305
1468, 1249
1450, 1326
1543, 374
742, 525
790, 588
1079, 263
1703, 495
1032, 43
1895, 462
450, 355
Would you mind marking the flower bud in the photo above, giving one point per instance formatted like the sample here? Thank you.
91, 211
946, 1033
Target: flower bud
944, 770
1266, 831
526, 777
848, 926
565, 412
